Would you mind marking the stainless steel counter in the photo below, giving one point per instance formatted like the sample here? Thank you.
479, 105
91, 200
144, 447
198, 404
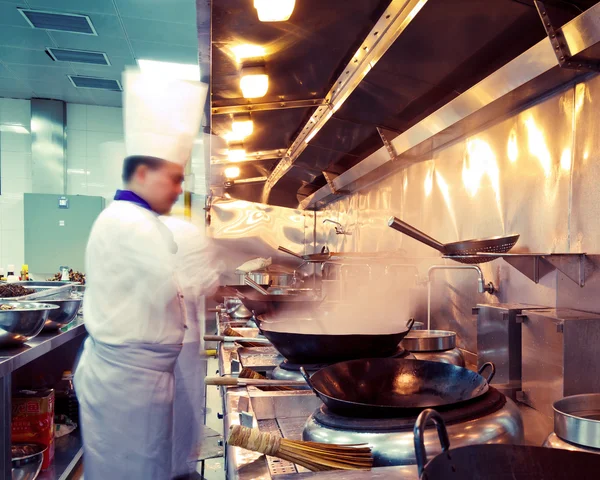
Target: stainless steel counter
284, 413
11, 360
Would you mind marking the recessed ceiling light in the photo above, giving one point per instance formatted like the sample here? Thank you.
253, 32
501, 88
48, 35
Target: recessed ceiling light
274, 10
180, 71
254, 82
242, 125
82, 81
232, 172
243, 52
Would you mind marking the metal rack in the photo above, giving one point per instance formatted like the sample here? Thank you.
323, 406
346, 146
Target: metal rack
11, 360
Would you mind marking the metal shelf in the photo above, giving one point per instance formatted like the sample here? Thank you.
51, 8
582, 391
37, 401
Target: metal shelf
68, 453
535, 266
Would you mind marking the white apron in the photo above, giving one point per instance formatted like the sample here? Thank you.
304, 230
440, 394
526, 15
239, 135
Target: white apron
128, 438
134, 314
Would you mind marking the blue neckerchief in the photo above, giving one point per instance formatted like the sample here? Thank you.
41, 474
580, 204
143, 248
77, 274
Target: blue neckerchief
129, 196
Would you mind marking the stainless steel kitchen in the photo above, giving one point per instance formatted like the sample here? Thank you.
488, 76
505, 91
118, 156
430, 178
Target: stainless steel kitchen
380, 253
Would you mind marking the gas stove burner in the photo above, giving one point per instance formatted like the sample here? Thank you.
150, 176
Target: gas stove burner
491, 418
492, 401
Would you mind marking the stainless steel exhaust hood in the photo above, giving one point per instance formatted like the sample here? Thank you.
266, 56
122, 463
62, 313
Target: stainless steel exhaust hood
526, 78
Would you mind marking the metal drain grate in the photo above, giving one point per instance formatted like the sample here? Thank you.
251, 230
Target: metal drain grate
276, 465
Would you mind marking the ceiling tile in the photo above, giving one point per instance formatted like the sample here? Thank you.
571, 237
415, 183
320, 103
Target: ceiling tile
115, 69
109, 99
9, 15
75, 6
54, 89
112, 46
24, 57
37, 72
163, 32
178, 11
4, 72
165, 52
13, 85
24, 37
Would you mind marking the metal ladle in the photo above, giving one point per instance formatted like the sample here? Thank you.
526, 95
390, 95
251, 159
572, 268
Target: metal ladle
251, 283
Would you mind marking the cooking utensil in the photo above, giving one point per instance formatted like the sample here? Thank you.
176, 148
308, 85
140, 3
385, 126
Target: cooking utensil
251, 283
233, 291
387, 387
27, 459
499, 462
64, 314
279, 304
230, 332
273, 275
323, 348
429, 341
249, 373
23, 322
465, 251
254, 382
312, 455
577, 419
311, 258
236, 309
225, 338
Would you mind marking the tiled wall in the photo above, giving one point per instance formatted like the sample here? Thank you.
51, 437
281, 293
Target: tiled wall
15, 164
95, 151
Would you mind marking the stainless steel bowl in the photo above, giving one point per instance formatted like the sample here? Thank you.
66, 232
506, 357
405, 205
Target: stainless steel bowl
27, 467
66, 312
429, 341
23, 322
577, 419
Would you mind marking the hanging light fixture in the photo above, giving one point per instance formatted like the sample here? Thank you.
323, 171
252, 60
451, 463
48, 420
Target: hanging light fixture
254, 81
242, 125
274, 10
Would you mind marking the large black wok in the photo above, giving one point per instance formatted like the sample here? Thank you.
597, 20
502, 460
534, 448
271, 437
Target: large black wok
279, 304
325, 348
388, 387
499, 462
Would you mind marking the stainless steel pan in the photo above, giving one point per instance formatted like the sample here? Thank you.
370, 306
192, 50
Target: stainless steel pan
464, 251
324, 256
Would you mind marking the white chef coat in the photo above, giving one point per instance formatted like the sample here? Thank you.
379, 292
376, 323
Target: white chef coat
134, 314
197, 275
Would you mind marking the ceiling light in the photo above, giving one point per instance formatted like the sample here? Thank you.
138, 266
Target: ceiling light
243, 52
254, 82
14, 128
231, 137
232, 172
180, 71
236, 152
274, 10
242, 125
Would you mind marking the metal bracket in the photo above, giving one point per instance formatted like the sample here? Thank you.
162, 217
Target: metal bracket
246, 419
559, 43
520, 318
387, 143
261, 107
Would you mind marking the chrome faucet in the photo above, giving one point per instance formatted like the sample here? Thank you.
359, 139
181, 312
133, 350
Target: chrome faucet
481, 285
339, 229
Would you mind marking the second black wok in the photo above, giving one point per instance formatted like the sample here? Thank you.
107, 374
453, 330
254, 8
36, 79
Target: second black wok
325, 348
388, 387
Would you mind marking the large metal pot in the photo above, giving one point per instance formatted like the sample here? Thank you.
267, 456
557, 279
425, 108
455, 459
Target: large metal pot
22, 322
273, 275
576, 423
435, 346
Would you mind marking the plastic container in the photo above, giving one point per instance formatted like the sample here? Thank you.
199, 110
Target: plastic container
11, 277
66, 401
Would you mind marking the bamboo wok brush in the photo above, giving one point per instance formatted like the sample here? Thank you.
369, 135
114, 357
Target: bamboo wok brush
249, 373
230, 332
314, 456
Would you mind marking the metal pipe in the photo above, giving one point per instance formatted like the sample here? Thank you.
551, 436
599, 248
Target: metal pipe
339, 229
481, 285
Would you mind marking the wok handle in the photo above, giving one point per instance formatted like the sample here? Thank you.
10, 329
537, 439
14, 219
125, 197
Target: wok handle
492, 372
251, 283
307, 379
418, 235
225, 338
410, 324
285, 250
419, 434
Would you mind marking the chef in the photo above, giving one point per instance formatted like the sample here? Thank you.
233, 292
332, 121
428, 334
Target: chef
134, 307
197, 274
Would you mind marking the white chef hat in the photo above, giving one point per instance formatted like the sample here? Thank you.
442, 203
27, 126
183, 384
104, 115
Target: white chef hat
162, 115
